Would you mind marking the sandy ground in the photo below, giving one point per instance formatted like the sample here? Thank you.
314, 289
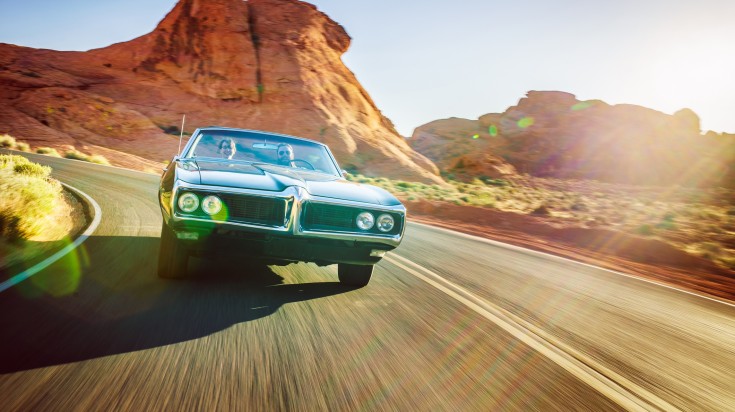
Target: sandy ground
648, 258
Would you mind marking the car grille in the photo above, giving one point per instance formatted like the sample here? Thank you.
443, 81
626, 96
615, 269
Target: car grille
329, 217
255, 210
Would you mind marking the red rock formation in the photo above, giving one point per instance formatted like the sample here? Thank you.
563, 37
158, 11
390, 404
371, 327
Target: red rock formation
258, 64
554, 134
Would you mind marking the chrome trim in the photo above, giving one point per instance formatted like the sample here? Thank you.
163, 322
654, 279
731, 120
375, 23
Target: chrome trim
296, 197
288, 195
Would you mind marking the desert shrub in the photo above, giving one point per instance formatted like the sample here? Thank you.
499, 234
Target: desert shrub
29, 198
22, 146
32, 169
578, 206
667, 222
645, 230
494, 182
541, 210
48, 151
707, 250
174, 130
76, 155
99, 159
728, 261
7, 141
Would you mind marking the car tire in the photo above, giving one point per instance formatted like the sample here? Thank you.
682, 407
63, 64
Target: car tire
354, 275
172, 256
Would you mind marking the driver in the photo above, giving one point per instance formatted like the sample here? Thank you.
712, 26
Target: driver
285, 155
226, 149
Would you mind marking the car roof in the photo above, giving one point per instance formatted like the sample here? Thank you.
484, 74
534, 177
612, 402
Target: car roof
259, 132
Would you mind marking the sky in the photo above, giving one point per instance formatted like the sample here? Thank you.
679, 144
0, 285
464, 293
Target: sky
423, 60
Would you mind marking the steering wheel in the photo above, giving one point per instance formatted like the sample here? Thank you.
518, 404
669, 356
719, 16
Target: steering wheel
309, 165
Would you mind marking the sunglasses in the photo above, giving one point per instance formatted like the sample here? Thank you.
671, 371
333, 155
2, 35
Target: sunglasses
283, 152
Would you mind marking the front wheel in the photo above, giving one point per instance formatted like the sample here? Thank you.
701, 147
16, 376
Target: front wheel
172, 256
354, 275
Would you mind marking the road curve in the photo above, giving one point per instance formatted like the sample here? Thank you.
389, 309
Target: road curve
448, 322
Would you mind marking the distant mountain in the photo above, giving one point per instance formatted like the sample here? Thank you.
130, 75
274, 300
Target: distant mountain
552, 134
262, 64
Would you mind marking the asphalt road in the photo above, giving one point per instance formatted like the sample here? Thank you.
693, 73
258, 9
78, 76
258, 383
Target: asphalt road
449, 322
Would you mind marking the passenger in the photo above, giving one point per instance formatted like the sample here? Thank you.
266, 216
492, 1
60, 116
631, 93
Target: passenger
285, 155
226, 149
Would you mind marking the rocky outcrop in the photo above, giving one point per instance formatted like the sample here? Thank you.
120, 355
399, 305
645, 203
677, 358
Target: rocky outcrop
259, 64
553, 134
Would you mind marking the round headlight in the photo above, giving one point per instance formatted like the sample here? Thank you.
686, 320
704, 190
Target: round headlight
188, 202
385, 223
211, 205
365, 221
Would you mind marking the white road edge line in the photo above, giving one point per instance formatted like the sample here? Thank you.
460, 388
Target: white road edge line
520, 248
61, 253
607, 382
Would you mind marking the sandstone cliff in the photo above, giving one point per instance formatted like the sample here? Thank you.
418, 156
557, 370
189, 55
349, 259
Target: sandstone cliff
553, 134
258, 64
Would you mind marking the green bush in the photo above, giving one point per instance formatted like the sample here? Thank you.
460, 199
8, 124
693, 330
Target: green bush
7, 141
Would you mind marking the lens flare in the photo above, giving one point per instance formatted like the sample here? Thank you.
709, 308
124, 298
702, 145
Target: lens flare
61, 278
582, 105
493, 130
222, 215
526, 122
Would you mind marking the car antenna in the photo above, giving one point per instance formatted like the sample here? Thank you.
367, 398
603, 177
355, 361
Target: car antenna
181, 136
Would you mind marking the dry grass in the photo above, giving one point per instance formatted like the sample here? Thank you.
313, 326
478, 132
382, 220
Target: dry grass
32, 205
698, 221
48, 151
77, 155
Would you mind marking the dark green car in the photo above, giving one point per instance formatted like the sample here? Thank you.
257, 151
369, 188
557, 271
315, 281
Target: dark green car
274, 198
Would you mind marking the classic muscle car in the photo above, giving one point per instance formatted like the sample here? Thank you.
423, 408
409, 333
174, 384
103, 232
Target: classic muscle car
272, 198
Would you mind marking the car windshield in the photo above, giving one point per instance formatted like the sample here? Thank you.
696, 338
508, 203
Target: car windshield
247, 146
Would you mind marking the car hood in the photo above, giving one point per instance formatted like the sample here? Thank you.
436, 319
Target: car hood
260, 176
